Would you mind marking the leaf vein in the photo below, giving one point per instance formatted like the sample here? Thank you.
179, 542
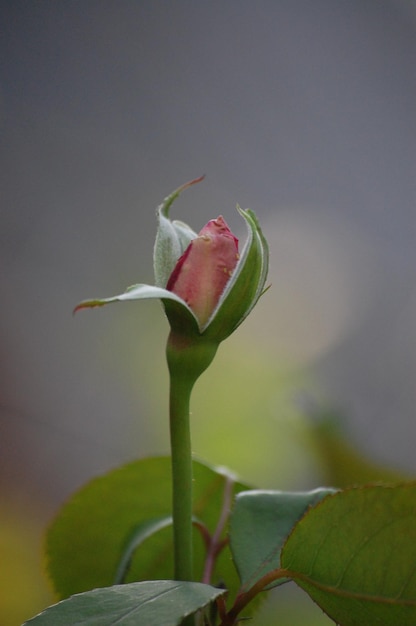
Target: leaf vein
345, 593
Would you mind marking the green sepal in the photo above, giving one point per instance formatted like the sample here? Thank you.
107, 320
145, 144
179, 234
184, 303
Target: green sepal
178, 308
246, 285
172, 238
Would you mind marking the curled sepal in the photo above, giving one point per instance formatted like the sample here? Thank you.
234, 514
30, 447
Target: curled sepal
179, 309
172, 237
245, 286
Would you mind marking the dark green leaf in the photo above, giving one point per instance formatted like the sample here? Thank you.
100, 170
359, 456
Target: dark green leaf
259, 525
92, 532
355, 555
154, 603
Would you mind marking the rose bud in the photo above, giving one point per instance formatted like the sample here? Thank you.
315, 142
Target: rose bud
204, 269
207, 289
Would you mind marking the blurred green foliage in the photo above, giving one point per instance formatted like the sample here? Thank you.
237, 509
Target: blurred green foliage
23, 584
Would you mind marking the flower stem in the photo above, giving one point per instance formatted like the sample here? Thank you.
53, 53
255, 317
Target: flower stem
187, 358
181, 451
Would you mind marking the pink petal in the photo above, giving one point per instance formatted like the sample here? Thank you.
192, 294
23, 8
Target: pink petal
204, 269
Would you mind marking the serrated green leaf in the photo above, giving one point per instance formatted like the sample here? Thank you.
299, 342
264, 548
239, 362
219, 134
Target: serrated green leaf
259, 525
90, 535
355, 555
151, 603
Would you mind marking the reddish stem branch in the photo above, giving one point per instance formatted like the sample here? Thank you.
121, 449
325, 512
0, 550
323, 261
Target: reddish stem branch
244, 598
216, 543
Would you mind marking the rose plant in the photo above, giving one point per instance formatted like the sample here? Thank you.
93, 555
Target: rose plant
170, 541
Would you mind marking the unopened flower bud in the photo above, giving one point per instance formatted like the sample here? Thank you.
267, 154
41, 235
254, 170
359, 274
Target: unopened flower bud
204, 269
206, 287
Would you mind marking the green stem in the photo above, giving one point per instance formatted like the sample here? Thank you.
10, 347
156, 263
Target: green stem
187, 358
180, 437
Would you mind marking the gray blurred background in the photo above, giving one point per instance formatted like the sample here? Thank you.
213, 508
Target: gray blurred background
303, 111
